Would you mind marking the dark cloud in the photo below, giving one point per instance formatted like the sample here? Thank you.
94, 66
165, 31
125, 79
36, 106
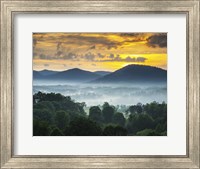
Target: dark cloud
117, 58
113, 46
34, 42
42, 56
127, 59
59, 51
70, 56
59, 46
34, 55
109, 44
134, 37
131, 34
89, 56
100, 55
79, 39
46, 65
92, 47
141, 59
158, 40
111, 55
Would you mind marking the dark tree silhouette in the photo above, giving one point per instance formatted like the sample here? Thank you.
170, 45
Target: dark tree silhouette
43, 115
119, 119
147, 132
139, 108
57, 115
56, 132
112, 130
108, 112
137, 122
82, 126
62, 119
95, 114
41, 128
135, 109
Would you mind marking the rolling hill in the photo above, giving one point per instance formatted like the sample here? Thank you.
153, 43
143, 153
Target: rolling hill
37, 75
135, 73
102, 73
46, 72
75, 75
128, 74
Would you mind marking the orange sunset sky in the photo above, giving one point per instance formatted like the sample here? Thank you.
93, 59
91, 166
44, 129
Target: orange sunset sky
98, 51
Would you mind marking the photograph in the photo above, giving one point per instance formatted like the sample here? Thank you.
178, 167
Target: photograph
99, 83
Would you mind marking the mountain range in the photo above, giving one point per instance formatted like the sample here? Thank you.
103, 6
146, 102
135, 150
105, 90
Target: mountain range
135, 73
128, 74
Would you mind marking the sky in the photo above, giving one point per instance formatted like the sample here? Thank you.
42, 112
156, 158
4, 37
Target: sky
98, 51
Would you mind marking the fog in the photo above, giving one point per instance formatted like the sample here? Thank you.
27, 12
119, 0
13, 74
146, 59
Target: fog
116, 94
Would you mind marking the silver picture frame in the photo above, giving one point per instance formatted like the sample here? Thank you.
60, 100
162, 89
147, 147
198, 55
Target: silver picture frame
11, 7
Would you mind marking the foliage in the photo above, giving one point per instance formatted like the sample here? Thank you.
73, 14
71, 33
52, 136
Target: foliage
43, 115
138, 122
61, 119
118, 118
108, 112
56, 132
58, 115
82, 126
147, 132
135, 109
112, 130
41, 128
95, 114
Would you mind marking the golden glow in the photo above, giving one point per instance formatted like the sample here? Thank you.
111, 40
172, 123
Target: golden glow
98, 51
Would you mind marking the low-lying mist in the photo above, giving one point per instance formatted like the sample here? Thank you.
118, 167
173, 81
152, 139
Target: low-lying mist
115, 94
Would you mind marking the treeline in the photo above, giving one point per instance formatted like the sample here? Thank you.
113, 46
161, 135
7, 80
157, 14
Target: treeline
58, 115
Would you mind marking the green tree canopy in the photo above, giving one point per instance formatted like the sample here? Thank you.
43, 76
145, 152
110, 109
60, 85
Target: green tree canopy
57, 115
56, 132
118, 118
43, 115
135, 109
82, 126
147, 132
95, 114
112, 130
62, 119
108, 112
137, 122
41, 128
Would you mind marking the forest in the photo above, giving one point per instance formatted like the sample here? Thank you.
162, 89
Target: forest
58, 115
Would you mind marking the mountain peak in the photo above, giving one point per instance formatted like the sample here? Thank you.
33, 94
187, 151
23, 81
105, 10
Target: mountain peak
135, 74
132, 73
73, 75
140, 66
75, 69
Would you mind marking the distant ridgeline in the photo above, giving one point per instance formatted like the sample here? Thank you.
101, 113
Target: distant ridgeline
58, 115
128, 74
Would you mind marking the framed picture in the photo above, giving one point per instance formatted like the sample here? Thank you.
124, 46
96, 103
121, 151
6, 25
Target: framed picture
100, 84
109, 80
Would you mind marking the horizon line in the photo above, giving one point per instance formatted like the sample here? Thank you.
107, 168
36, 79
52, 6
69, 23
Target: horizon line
98, 70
